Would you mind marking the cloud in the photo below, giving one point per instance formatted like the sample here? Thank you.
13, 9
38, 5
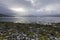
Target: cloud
50, 9
33, 2
34, 7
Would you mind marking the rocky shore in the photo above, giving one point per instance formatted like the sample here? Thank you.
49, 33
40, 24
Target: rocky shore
29, 31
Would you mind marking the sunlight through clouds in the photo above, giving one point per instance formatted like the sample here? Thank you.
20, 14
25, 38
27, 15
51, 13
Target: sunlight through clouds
19, 9
29, 7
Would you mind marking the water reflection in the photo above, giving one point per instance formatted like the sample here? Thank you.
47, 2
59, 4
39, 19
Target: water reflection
30, 19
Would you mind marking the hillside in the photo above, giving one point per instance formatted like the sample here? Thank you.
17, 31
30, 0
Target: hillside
2, 15
55, 15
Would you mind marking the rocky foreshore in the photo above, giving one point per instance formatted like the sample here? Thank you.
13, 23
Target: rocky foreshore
30, 31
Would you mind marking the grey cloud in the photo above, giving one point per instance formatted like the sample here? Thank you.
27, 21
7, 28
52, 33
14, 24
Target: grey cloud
32, 8
5, 5
16, 3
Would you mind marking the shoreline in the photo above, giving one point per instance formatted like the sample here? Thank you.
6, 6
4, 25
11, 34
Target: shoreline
32, 31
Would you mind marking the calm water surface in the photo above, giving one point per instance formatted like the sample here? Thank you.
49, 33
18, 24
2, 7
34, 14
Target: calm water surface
29, 19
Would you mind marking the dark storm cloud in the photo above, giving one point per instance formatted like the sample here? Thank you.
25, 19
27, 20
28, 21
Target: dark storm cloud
6, 4
35, 7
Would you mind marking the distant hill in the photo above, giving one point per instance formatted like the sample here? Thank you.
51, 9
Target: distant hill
56, 15
30, 16
2, 15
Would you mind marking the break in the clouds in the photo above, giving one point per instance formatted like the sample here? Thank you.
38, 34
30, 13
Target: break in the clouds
29, 7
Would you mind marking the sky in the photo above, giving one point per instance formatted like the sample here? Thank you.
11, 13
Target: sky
29, 7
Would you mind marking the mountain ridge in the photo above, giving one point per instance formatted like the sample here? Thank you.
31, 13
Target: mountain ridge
3, 15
